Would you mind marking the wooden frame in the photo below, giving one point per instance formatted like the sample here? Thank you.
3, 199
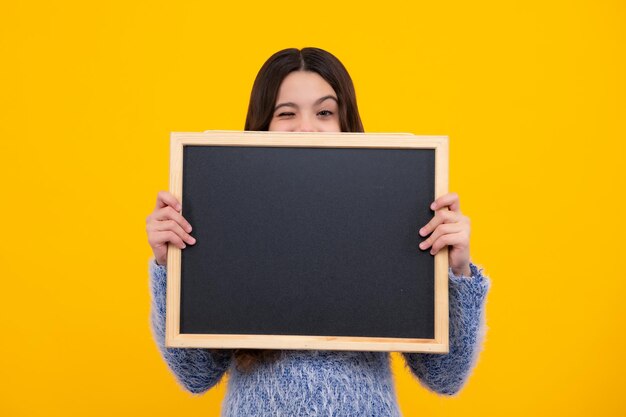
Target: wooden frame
439, 344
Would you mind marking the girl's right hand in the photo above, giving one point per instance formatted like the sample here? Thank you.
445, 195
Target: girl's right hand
166, 224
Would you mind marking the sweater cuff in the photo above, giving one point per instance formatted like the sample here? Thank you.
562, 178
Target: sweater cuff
476, 284
158, 278
157, 269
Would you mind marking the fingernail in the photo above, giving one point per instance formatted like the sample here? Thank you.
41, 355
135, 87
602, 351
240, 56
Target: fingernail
422, 245
432, 206
188, 229
178, 207
184, 246
192, 240
422, 231
432, 252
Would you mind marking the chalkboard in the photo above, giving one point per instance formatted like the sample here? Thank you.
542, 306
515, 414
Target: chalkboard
307, 241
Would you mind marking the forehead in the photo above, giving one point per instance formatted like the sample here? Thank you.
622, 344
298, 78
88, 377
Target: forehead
303, 86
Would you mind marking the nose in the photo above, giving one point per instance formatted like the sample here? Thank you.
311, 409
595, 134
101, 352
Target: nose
305, 129
306, 125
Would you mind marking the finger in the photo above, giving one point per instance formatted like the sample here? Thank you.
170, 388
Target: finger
451, 239
165, 198
163, 225
440, 231
450, 200
160, 238
441, 216
168, 213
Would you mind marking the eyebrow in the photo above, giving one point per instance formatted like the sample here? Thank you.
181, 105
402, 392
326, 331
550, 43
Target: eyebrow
319, 101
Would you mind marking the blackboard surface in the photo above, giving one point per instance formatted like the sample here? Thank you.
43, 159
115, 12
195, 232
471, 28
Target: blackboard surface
307, 241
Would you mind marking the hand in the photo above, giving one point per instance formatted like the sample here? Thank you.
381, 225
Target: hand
166, 224
449, 227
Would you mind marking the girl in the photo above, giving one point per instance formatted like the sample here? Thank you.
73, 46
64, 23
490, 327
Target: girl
309, 90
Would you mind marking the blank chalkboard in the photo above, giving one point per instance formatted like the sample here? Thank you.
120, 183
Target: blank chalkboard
307, 241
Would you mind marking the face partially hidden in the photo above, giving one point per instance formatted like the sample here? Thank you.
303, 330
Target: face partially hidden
305, 103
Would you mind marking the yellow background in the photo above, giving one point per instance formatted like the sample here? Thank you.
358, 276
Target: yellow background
531, 93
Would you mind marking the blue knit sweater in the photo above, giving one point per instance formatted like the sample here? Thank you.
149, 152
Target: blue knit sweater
328, 383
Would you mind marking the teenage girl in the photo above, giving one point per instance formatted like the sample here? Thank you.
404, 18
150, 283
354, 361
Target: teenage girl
309, 90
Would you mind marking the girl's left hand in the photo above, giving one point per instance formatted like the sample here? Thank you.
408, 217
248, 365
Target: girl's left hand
449, 227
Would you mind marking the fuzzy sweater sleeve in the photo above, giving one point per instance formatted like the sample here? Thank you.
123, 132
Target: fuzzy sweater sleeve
196, 370
447, 373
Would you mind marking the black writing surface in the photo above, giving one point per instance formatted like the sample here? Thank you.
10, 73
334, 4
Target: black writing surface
307, 241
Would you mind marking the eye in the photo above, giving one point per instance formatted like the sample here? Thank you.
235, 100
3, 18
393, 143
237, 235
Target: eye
285, 114
325, 113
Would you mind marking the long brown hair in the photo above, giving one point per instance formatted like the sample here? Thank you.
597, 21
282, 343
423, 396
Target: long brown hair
260, 112
282, 63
